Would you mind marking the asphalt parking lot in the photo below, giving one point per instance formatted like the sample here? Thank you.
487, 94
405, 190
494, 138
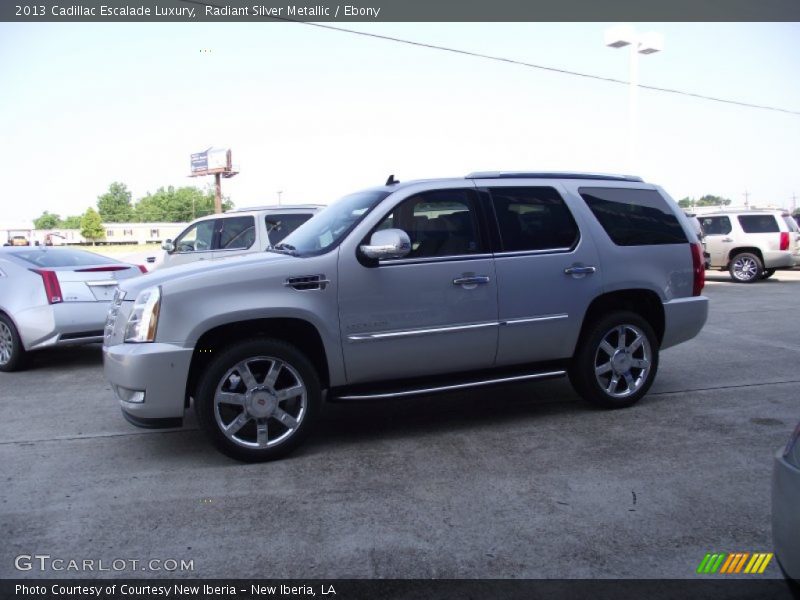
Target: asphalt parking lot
518, 481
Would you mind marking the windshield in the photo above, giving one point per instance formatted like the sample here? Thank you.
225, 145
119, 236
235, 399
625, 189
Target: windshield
331, 225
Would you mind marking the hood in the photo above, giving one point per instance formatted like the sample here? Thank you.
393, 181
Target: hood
202, 267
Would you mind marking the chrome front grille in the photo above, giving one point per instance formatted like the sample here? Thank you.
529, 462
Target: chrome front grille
111, 316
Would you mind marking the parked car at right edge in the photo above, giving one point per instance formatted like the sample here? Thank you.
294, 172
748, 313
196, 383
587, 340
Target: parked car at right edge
786, 508
410, 289
749, 244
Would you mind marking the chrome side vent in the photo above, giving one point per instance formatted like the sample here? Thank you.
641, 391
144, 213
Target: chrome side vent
307, 282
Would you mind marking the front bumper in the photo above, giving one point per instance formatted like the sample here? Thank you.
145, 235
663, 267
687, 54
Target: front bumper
786, 515
683, 319
159, 370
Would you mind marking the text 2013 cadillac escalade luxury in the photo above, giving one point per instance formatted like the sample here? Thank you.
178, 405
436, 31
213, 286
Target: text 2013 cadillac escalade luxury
412, 288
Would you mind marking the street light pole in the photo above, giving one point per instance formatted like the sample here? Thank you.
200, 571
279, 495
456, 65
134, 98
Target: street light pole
646, 43
633, 109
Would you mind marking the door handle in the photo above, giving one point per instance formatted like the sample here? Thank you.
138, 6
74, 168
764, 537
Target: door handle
580, 270
471, 280
727, 239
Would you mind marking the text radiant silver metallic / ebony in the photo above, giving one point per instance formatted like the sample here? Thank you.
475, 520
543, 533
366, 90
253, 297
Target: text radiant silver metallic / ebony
413, 288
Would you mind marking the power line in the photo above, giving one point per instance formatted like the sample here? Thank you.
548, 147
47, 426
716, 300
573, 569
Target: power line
546, 68
523, 63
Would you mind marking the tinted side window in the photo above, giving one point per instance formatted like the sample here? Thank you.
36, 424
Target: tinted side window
238, 233
758, 223
634, 217
439, 223
716, 225
279, 226
533, 218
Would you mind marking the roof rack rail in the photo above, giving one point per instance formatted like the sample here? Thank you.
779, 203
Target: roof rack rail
549, 175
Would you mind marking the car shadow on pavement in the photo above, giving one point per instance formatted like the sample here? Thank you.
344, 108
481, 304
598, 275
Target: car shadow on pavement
90, 355
453, 411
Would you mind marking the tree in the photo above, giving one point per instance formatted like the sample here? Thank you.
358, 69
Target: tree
115, 205
173, 205
92, 225
71, 222
707, 200
47, 221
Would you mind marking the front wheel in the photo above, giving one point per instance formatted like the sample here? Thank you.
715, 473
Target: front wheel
616, 362
258, 399
746, 268
12, 354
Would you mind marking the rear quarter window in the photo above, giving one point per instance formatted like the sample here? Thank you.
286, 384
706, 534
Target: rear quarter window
634, 217
759, 223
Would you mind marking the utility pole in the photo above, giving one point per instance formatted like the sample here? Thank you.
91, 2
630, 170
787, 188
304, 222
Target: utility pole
746, 199
794, 203
218, 192
279, 196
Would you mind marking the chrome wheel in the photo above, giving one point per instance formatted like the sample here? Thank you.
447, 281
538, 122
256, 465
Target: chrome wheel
745, 268
622, 361
260, 402
6, 344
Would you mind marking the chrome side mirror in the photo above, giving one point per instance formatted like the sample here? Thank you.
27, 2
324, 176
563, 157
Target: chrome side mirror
168, 246
387, 243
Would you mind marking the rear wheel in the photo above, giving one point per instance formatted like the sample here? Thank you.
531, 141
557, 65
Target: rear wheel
746, 268
258, 399
12, 354
616, 362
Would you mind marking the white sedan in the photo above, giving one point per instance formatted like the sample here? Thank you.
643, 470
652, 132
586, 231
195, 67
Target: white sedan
52, 297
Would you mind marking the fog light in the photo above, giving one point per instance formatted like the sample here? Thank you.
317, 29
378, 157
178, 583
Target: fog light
126, 395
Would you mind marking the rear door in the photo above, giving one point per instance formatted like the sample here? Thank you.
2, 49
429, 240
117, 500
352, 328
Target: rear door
718, 240
547, 271
279, 226
236, 235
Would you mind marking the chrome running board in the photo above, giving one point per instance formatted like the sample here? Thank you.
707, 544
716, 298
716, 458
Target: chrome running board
434, 389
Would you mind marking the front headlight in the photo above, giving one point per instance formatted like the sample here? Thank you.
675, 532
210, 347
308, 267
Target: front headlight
143, 321
792, 451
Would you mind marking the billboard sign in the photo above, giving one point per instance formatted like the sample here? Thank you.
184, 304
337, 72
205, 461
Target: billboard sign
200, 162
213, 160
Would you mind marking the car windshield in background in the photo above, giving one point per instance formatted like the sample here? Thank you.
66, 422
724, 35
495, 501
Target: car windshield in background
331, 225
63, 258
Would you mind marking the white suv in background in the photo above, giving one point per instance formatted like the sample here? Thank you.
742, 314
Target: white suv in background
751, 244
235, 232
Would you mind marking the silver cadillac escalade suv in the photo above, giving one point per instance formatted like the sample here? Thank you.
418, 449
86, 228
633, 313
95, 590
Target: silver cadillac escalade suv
408, 289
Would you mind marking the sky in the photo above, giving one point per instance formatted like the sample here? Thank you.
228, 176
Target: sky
317, 114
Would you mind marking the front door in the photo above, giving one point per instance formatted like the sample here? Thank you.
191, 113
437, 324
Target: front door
433, 311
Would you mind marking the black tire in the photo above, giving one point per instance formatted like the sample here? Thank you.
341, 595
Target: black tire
745, 268
12, 354
767, 273
265, 415
590, 356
